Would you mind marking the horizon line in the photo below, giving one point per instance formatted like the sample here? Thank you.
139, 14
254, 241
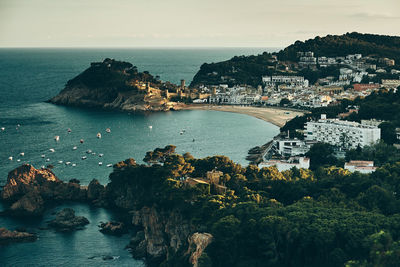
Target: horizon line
141, 47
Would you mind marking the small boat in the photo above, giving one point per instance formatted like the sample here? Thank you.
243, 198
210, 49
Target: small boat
150, 127
69, 130
18, 160
181, 133
67, 163
100, 155
60, 161
98, 135
10, 158
108, 130
109, 165
74, 148
81, 141
57, 138
84, 157
93, 153
88, 151
43, 156
73, 165
3, 128
42, 167
47, 160
100, 163
52, 150
22, 154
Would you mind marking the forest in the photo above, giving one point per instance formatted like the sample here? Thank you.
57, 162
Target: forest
324, 217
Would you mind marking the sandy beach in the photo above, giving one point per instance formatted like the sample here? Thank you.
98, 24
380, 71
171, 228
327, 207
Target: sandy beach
274, 115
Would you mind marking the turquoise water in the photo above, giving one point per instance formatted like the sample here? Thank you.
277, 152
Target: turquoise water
30, 76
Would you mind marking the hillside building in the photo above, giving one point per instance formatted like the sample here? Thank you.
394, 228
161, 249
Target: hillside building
344, 134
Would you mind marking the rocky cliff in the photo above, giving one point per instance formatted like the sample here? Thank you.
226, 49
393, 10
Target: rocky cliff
162, 235
28, 190
116, 85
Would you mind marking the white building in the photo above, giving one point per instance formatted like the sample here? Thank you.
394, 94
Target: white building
284, 165
291, 147
295, 81
345, 134
360, 166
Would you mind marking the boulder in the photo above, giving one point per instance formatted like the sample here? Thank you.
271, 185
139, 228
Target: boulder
113, 228
28, 189
7, 236
95, 190
66, 221
31, 204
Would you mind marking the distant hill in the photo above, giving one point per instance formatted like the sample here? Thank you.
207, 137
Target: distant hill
249, 69
349, 43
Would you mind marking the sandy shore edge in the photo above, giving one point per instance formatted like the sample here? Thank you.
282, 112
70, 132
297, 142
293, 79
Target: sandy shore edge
274, 115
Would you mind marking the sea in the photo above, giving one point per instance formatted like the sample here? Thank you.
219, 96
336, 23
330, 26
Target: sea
30, 76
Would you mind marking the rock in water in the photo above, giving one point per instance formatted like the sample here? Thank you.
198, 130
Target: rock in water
7, 236
28, 189
113, 228
66, 221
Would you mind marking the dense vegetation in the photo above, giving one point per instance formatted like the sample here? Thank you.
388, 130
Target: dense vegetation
349, 43
249, 69
326, 217
113, 74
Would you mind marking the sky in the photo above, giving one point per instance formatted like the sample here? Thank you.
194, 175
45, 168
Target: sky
188, 23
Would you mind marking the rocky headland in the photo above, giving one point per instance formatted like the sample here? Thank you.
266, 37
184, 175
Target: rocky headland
161, 232
118, 85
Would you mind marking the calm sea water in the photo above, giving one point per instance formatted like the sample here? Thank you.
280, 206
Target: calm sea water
30, 76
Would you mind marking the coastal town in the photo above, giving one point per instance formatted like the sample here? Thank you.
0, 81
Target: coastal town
346, 78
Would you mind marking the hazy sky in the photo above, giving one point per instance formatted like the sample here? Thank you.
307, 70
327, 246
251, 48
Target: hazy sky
155, 23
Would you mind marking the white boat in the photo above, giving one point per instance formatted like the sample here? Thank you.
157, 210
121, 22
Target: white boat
10, 158
100, 155
100, 163
18, 125
181, 133
73, 165
22, 154
109, 165
57, 138
93, 153
43, 156
18, 160
150, 127
3, 128
81, 141
52, 150
98, 135
88, 151
60, 161
84, 157
74, 148
47, 160
67, 163
108, 130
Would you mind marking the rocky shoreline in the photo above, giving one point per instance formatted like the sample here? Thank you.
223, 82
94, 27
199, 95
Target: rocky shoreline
159, 233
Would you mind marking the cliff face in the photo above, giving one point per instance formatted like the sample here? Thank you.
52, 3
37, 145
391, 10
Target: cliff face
166, 233
116, 85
